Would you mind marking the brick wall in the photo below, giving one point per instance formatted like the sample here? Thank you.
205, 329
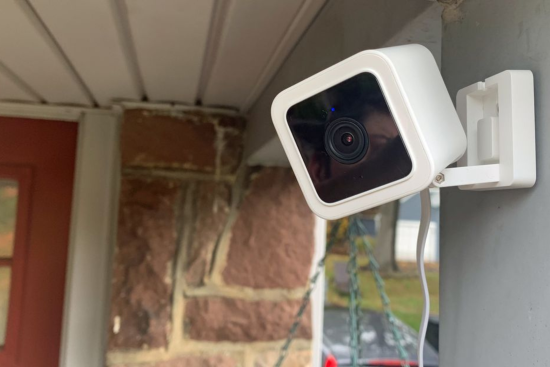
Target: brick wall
212, 257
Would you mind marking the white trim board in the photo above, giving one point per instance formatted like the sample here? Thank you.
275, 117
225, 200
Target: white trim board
50, 112
177, 107
92, 229
73, 113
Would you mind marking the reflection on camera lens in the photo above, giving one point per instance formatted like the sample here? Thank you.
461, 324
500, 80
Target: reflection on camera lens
346, 140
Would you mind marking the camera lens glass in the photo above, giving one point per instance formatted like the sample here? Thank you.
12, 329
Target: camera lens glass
346, 140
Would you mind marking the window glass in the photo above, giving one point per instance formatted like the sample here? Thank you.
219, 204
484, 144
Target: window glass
8, 212
5, 279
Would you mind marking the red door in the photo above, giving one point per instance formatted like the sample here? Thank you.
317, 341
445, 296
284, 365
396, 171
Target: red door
37, 159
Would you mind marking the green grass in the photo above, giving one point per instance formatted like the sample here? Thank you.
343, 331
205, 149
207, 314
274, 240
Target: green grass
403, 290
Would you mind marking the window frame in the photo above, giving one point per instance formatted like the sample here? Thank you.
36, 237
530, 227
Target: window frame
23, 176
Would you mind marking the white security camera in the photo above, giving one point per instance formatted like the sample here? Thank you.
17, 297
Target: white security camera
381, 125
371, 129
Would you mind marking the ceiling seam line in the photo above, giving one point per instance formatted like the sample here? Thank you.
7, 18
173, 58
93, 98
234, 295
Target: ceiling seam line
11, 75
257, 89
30, 11
215, 34
122, 24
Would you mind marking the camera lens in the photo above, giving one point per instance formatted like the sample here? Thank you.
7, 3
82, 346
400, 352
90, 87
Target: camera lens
346, 140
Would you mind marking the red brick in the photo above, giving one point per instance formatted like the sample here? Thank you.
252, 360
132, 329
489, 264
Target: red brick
142, 288
232, 152
209, 216
272, 240
238, 320
232, 121
183, 141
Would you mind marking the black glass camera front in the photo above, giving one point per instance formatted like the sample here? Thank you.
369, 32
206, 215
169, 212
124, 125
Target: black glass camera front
358, 100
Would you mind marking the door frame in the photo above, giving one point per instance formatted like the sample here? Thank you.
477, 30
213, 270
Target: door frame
93, 228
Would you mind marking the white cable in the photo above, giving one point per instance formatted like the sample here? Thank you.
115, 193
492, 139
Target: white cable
425, 219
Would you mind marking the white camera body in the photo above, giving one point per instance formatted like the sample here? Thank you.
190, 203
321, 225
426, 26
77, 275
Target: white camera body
371, 129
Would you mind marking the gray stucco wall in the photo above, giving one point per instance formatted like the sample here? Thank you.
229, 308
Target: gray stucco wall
495, 250
342, 28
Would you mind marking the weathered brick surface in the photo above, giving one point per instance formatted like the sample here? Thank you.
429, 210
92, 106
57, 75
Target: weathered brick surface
142, 288
272, 239
191, 361
234, 122
209, 215
293, 359
232, 151
237, 320
270, 245
186, 141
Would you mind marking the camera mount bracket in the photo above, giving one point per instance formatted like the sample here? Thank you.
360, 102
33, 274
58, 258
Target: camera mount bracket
498, 116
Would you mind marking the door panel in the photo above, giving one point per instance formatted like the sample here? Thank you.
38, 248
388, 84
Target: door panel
37, 159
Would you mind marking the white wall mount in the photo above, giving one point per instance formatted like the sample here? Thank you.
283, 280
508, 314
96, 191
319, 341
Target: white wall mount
498, 116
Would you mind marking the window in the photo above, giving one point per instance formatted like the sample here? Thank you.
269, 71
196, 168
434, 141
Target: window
8, 213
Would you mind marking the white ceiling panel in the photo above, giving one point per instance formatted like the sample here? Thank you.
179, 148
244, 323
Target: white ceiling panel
10, 90
87, 52
89, 34
27, 50
170, 38
257, 36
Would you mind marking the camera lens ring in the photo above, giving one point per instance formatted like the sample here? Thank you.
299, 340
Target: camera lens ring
337, 131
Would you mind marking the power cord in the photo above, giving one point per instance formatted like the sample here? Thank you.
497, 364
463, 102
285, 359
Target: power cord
425, 219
